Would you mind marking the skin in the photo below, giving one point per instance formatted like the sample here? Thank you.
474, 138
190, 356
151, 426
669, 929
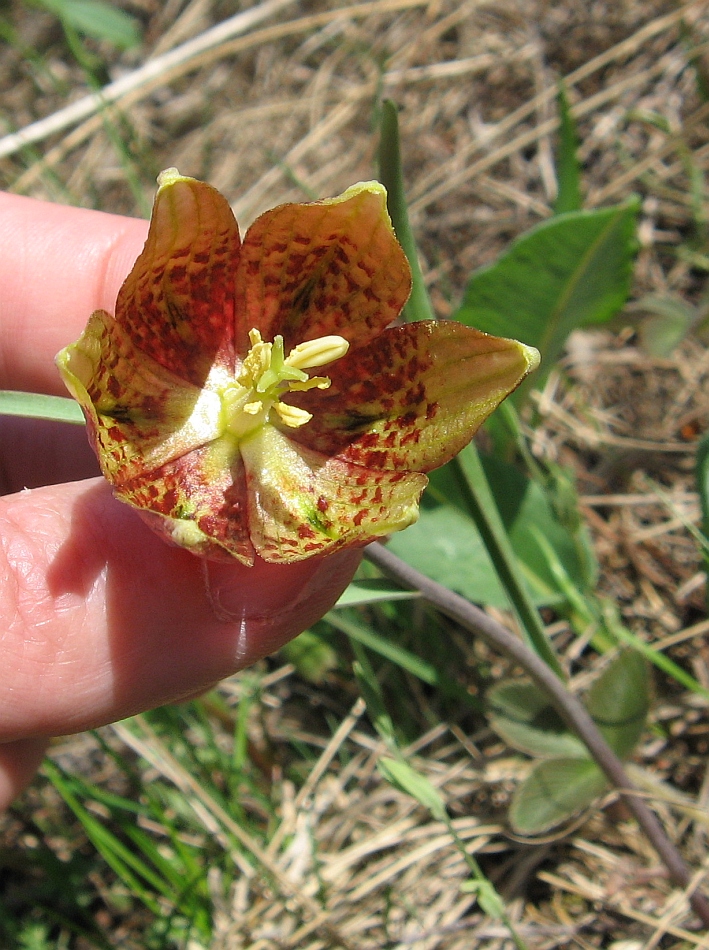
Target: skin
99, 618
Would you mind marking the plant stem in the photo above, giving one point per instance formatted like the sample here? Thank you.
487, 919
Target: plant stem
573, 713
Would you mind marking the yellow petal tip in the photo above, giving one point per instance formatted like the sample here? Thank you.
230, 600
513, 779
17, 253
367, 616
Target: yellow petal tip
531, 355
169, 176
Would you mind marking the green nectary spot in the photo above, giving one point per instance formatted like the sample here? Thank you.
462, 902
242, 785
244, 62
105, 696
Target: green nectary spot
116, 412
355, 421
316, 519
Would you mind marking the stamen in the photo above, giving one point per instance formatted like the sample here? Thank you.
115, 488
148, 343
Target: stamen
267, 374
315, 382
291, 415
257, 361
318, 352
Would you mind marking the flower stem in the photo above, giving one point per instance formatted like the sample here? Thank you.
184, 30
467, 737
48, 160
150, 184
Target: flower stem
571, 710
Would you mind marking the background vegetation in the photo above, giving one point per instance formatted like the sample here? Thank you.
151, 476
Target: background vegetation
374, 785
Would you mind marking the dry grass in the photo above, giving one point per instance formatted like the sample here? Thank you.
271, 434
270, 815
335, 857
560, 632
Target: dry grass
287, 111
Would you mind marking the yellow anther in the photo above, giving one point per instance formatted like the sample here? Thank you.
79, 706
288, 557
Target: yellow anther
291, 415
266, 375
317, 352
315, 382
257, 360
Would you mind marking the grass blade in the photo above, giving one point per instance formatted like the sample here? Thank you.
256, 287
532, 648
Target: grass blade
39, 406
418, 306
568, 177
484, 512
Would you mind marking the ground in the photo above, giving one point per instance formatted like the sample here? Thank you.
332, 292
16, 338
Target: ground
320, 851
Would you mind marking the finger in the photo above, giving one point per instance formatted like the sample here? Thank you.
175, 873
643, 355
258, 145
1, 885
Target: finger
57, 265
105, 619
18, 763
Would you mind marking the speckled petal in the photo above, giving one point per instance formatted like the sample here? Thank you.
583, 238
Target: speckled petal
177, 304
197, 502
331, 267
139, 415
302, 503
414, 398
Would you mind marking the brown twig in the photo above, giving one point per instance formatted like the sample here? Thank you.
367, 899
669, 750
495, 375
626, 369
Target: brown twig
573, 713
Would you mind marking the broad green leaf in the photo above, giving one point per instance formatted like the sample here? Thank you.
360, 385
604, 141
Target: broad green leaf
372, 591
554, 791
523, 716
99, 20
402, 776
446, 545
38, 406
568, 179
571, 271
619, 701
621, 634
666, 322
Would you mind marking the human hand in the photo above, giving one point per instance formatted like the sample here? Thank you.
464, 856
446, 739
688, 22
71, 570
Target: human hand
99, 618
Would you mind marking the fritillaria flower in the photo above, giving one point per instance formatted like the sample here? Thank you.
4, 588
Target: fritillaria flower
252, 398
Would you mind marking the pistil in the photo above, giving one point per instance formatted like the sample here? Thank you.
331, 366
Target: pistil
267, 374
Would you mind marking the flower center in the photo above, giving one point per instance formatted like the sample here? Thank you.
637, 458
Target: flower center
267, 374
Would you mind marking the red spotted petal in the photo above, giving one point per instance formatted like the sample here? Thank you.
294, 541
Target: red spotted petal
140, 415
331, 267
414, 398
198, 502
302, 503
177, 305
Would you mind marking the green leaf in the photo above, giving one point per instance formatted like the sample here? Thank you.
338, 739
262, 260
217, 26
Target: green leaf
487, 897
523, 716
666, 322
372, 591
619, 701
38, 406
99, 20
402, 776
568, 177
554, 791
371, 693
312, 657
571, 271
446, 545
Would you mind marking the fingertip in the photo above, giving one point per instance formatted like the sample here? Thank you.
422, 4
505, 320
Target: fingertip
19, 762
108, 620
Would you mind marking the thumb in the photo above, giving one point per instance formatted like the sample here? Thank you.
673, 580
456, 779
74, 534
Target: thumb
104, 619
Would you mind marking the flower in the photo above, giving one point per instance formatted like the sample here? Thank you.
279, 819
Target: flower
199, 395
